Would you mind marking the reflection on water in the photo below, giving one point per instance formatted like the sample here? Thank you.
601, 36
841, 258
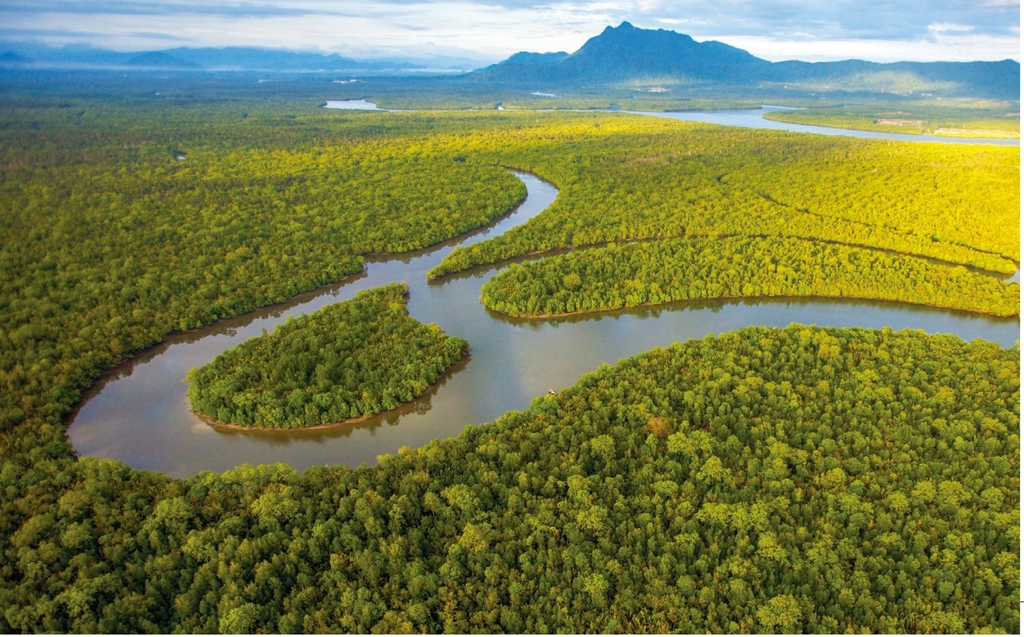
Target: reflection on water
352, 105
139, 412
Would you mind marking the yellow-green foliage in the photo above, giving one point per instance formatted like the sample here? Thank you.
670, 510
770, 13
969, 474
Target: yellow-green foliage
985, 120
349, 360
683, 269
628, 178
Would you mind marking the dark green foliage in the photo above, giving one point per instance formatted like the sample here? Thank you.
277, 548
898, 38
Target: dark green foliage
349, 360
796, 480
684, 269
108, 243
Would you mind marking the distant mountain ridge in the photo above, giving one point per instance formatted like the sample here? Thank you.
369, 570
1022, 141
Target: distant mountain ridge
159, 59
275, 60
626, 53
207, 58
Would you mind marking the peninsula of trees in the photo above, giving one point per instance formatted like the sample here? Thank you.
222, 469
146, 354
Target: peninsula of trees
656, 272
626, 178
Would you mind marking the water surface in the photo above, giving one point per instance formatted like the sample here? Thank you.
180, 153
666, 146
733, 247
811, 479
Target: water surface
754, 118
352, 105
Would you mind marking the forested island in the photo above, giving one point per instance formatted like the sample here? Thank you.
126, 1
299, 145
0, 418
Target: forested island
767, 480
348, 361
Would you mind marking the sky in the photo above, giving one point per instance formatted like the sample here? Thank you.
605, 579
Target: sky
490, 30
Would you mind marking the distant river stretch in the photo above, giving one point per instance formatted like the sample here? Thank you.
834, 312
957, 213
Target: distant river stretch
139, 412
746, 118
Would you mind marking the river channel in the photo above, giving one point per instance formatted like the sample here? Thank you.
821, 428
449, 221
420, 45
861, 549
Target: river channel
139, 412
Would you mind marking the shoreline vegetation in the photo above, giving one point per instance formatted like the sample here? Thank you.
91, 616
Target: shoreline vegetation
344, 363
669, 270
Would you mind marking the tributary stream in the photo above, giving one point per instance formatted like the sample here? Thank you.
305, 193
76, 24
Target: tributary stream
139, 412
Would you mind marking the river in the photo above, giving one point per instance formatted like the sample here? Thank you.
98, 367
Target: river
754, 118
139, 412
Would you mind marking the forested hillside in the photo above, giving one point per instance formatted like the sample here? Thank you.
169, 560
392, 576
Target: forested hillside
779, 480
351, 359
628, 55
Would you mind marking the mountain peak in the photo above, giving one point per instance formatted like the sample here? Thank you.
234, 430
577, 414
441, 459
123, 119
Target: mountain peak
627, 52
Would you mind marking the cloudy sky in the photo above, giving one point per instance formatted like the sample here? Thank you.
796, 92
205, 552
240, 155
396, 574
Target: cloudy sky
489, 30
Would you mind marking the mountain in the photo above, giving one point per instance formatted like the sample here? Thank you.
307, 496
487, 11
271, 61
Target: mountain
161, 60
978, 79
525, 58
10, 58
245, 58
626, 53
213, 59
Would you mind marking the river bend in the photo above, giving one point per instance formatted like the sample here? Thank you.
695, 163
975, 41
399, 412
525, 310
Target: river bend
139, 412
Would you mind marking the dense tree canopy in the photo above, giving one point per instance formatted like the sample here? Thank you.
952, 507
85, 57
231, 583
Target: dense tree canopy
115, 243
780, 480
349, 360
627, 178
685, 269
795, 480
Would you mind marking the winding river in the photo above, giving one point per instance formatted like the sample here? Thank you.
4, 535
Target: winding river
139, 412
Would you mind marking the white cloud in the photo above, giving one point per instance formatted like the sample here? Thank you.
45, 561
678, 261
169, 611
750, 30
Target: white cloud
946, 27
681, 22
954, 48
